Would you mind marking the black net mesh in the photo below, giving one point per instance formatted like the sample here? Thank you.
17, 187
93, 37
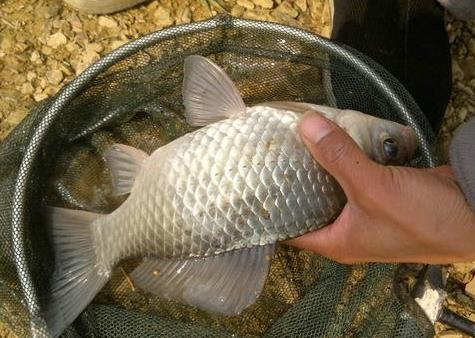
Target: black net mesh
133, 96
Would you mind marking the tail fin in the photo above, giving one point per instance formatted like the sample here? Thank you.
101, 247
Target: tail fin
78, 276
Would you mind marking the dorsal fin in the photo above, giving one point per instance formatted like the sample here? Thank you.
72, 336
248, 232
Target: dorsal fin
209, 95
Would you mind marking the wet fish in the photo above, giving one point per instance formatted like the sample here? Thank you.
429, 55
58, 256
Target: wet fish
206, 209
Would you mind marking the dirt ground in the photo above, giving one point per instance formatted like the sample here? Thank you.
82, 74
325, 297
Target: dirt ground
44, 45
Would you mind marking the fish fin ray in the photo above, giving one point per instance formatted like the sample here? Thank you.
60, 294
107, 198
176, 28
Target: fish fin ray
77, 276
225, 283
125, 162
209, 95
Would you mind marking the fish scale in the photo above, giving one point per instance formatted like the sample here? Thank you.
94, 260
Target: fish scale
198, 202
205, 210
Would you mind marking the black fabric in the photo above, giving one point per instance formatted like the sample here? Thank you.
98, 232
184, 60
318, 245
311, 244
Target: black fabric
409, 39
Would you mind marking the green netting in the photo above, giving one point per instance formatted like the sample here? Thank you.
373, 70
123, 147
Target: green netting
133, 96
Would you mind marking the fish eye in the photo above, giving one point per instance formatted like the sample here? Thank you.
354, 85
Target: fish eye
390, 147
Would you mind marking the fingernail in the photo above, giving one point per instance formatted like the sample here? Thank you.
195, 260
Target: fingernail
314, 127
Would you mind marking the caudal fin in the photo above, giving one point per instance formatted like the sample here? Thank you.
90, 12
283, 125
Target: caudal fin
78, 276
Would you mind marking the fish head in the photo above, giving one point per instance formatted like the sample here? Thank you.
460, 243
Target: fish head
384, 141
391, 143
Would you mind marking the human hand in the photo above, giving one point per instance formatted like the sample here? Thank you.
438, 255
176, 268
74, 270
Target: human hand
393, 214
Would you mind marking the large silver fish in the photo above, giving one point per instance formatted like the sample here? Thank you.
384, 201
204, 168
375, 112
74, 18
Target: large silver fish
206, 209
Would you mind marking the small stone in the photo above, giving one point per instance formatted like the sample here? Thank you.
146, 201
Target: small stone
117, 43
185, 16
264, 3
470, 288
286, 8
246, 4
35, 57
449, 334
107, 22
30, 76
462, 113
471, 46
46, 50
43, 82
71, 46
54, 76
163, 16
96, 47
86, 59
457, 73
40, 96
302, 4
237, 11
27, 88
7, 44
56, 40
462, 271
50, 91
152, 6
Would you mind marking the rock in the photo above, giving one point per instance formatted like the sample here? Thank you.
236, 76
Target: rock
7, 44
184, 16
268, 4
40, 96
45, 50
117, 43
463, 269
302, 4
86, 59
35, 57
163, 16
457, 73
470, 288
237, 11
287, 9
449, 334
27, 88
30, 76
107, 22
96, 47
471, 46
56, 40
248, 4
54, 76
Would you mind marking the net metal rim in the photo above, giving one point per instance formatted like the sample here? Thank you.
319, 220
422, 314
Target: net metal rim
370, 70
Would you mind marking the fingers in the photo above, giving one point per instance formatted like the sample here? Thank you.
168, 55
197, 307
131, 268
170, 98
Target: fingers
336, 151
329, 241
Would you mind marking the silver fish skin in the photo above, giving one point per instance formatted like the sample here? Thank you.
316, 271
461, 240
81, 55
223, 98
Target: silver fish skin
241, 182
206, 209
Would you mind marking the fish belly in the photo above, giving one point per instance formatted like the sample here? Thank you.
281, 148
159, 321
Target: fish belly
240, 182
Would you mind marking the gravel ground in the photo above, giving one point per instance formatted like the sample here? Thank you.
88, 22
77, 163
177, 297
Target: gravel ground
44, 45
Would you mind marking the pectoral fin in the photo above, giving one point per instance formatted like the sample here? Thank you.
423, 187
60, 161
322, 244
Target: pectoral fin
226, 283
125, 163
209, 95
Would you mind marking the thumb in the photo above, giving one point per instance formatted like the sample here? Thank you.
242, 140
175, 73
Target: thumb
337, 152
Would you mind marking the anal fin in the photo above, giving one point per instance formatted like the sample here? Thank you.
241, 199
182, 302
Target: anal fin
226, 283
